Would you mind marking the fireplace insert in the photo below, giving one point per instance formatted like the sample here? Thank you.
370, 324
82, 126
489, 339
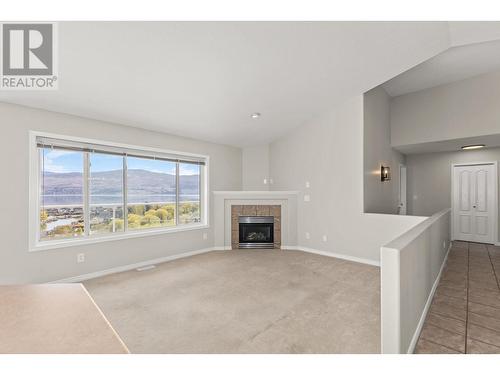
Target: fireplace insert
256, 232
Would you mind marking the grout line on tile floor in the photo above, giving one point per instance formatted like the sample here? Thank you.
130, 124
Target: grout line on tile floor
467, 300
444, 346
445, 329
484, 342
447, 316
491, 262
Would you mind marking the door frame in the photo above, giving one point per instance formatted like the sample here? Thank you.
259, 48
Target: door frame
406, 189
495, 198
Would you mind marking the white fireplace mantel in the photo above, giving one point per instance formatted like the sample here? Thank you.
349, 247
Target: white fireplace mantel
222, 213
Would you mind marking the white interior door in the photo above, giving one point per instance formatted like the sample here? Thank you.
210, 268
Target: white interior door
474, 202
402, 189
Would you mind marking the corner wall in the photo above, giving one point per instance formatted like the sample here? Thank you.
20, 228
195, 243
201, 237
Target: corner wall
328, 153
255, 165
379, 197
18, 265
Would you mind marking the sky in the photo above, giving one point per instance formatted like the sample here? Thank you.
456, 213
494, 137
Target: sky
61, 161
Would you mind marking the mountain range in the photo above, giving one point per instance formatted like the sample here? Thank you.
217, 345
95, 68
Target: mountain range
139, 182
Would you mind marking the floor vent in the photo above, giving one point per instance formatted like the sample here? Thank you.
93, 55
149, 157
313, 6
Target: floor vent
146, 268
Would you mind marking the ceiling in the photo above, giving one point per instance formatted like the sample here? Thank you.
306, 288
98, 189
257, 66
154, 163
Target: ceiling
204, 79
490, 141
452, 65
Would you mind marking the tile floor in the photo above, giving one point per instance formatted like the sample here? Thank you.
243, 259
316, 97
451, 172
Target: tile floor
464, 316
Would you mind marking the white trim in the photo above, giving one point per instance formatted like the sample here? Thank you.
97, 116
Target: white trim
418, 330
333, 255
54, 244
406, 190
495, 197
34, 196
222, 248
36, 133
245, 193
128, 267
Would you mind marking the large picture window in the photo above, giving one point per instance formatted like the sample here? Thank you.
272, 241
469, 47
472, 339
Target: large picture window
88, 190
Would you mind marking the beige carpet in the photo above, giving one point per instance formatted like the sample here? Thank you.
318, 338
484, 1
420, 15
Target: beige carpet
245, 301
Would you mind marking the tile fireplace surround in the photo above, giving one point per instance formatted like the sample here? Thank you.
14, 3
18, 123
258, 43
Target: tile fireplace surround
238, 210
282, 204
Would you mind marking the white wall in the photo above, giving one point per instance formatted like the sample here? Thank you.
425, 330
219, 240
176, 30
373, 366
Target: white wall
462, 109
328, 152
410, 268
379, 197
255, 164
17, 265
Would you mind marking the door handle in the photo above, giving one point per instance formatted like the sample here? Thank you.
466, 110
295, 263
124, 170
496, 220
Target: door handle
473, 206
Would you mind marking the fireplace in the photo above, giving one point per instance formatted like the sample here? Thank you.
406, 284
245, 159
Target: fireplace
256, 232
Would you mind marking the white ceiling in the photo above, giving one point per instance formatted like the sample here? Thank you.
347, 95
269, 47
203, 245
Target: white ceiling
204, 79
452, 65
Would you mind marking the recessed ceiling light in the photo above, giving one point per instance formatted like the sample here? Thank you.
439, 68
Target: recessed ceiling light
255, 115
472, 147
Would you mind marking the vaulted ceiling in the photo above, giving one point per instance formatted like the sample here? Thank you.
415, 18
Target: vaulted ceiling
452, 65
205, 79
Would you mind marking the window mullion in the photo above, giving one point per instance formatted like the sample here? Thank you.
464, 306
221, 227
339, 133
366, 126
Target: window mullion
177, 193
86, 194
200, 193
125, 195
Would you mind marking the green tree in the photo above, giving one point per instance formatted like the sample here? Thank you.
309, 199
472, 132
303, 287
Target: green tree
162, 215
118, 224
150, 220
137, 209
43, 219
134, 220
63, 230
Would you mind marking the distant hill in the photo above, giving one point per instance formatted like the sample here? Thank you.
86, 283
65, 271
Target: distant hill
140, 182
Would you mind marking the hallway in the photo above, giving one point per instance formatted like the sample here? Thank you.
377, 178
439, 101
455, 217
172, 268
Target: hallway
464, 316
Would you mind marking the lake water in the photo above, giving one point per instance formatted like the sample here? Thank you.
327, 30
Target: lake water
54, 200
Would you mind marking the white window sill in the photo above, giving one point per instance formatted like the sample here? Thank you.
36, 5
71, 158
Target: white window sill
57, 244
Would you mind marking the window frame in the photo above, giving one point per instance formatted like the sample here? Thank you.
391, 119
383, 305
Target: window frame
35, 190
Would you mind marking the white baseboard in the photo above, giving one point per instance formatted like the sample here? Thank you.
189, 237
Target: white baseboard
416, 335
221, 248
128, 267
334, 255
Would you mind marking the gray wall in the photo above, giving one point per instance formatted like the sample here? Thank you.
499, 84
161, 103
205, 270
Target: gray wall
379, 197
429, 177
462, 109
255, 165
17, 265
328, 152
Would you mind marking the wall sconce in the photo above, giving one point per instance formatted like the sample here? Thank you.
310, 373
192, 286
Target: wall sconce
385, 173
